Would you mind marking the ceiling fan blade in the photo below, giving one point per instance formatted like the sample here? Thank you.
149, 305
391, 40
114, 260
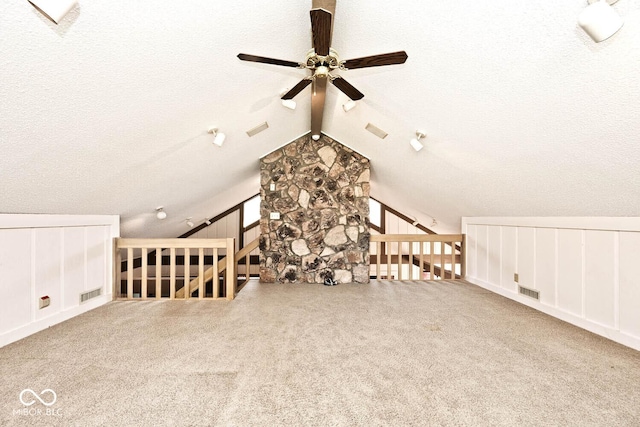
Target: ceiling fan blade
297, 89
321, 30
265, 60
376, 60
317, 105
347, 89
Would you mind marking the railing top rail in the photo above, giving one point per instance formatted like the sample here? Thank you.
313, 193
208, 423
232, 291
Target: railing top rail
174, 243
447, 238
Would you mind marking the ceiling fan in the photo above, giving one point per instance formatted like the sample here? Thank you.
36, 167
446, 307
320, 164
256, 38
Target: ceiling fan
322, 60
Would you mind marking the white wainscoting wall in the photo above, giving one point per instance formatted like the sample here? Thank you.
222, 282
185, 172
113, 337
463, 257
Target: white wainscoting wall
587, 270
59, 256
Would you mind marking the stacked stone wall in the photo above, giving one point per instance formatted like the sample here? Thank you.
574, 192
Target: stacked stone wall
320, 191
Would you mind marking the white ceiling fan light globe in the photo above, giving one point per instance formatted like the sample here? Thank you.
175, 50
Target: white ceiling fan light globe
600, 21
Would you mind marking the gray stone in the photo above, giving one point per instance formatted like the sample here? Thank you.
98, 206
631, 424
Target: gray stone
299, 247
342, 276
327, 252
352, 233
303, 199
328, 155
336, 236
361, 273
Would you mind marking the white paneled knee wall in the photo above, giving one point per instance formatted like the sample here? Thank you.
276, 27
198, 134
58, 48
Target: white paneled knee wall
58, 256
586, 270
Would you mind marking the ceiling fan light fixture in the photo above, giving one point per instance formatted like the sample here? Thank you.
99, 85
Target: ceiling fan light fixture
160, 213
349, 105
54, 10
289, 103
219, 137
599, 20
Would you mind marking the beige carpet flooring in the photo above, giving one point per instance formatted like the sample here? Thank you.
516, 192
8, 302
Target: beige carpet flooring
383, 354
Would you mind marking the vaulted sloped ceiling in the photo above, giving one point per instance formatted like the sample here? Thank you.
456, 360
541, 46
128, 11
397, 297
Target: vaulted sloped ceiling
107, 113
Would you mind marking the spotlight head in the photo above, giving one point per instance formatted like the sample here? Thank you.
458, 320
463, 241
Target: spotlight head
219, 137
55, 10
417, 145
349, 105
160, 213
189, 222
599, 20
207, 221
315, 137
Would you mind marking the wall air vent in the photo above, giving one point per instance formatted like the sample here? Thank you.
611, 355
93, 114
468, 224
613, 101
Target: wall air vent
86, 296
529, 292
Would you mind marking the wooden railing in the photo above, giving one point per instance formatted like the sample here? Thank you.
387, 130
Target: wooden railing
417, 256
214, 271
184, 255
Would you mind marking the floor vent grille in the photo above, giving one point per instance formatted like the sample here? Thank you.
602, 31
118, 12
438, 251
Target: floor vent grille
529, 292
86, 296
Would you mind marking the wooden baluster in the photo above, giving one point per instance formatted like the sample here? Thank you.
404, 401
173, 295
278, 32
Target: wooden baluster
378, 256
388, 250
117, 276
200, 273
187, 274
399, 260
432, 267
143, 285
158, 273
216, 275
130, 273
411, 261
172, 273
421, 261
443, 249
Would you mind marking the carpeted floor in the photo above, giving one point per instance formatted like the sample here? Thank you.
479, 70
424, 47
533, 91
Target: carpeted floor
383, 354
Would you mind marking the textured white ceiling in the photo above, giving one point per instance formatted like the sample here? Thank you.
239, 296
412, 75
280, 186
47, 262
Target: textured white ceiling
107, 113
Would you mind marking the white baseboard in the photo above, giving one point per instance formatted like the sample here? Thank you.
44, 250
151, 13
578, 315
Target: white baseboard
42, 324
591, 326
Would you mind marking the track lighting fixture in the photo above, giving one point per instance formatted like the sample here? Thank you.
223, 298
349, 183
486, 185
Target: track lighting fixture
218, 136
599, 20
55, 10
349, 105
189, 222
160, 213
207, 221
415, 142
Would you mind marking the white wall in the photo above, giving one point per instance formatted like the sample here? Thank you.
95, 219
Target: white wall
59, 256
587, 270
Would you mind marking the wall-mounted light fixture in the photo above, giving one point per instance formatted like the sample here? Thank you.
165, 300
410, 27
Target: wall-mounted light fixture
218, 136
160, 213
415, 142
349, 105
599, 20
55, 10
